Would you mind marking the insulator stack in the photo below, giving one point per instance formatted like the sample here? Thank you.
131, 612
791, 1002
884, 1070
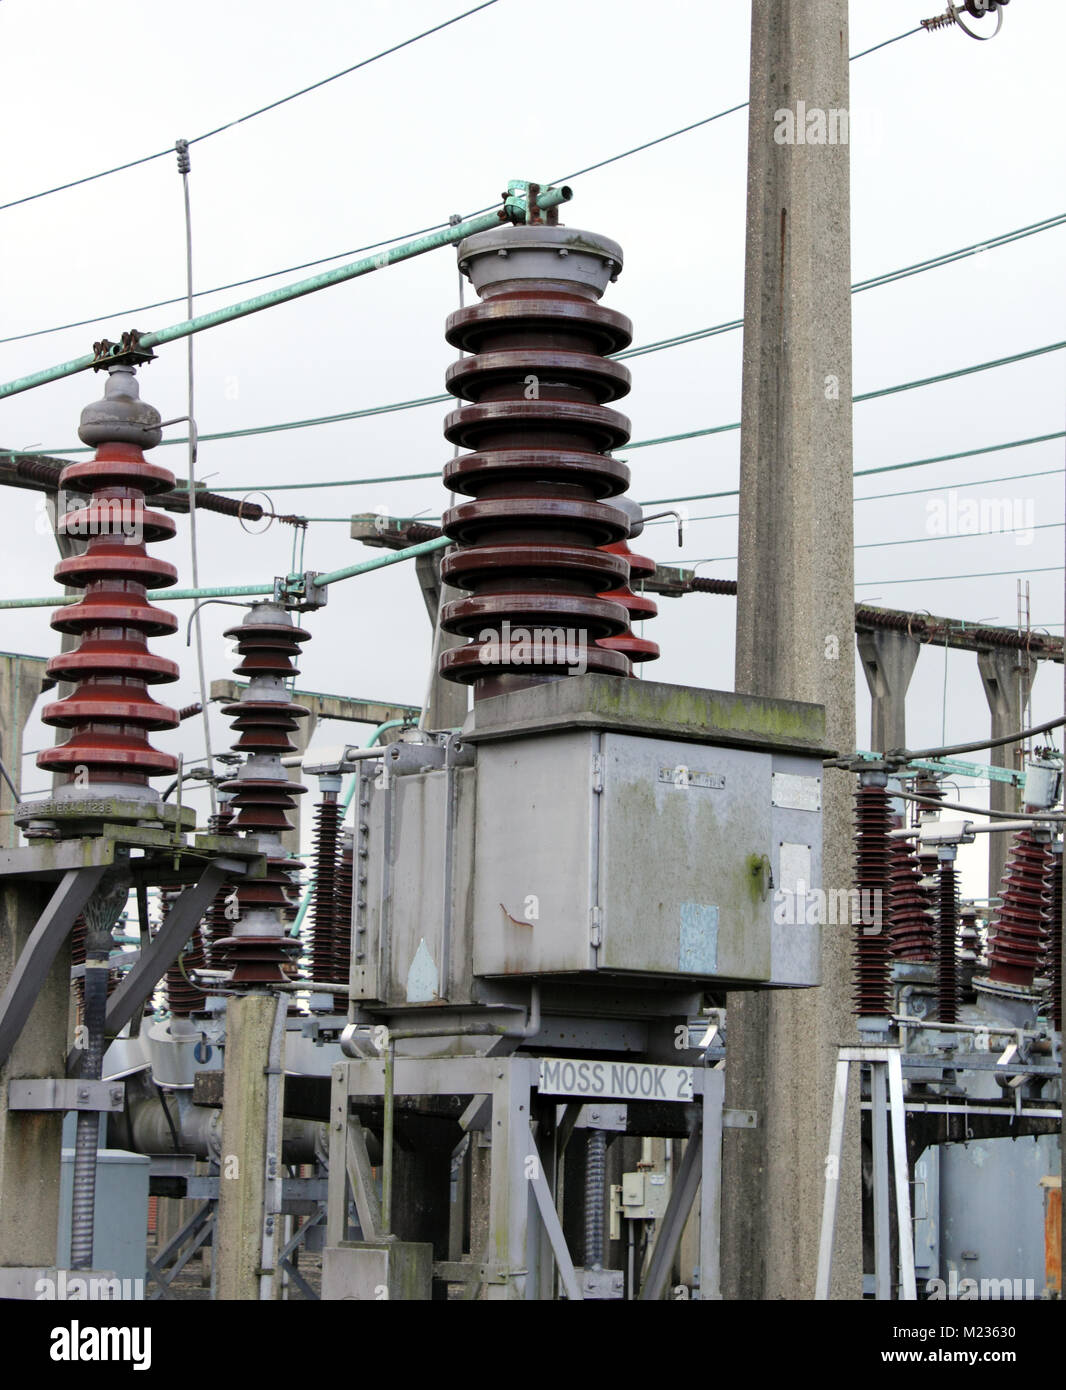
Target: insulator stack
872, 866
110, 712
342, 948
969, 952
1019, 921
183, 996
217, 925
536, 380
327, 875
1055, 938
947, 961
264, 717
638, 607
911, 933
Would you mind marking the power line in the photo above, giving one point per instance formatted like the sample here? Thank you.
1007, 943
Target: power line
873, 497
305, 265
271, 106
637, 444
918, 540
943, 578
884, 468
866, 395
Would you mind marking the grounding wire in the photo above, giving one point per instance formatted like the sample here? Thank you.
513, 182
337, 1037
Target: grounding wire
184, 165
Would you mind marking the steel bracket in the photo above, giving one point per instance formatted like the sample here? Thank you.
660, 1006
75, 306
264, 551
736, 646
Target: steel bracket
740, 1119
64, 1093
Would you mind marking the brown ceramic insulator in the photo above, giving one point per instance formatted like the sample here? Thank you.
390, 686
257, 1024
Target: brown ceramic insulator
261, 793
638, 606
947, 960
872, 868
342, 948
216, 924
110, 712
536, 420
911, 933
326, 840
183, 996
1019, 922
1054, 964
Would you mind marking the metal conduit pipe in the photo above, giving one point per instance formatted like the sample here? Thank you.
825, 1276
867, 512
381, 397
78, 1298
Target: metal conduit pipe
199, 1130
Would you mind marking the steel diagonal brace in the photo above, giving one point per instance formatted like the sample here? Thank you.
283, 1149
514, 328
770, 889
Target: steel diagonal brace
552, 1225
38, 955
673, 1223
178, 925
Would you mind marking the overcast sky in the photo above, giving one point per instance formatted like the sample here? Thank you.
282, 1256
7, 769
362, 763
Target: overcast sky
952, 142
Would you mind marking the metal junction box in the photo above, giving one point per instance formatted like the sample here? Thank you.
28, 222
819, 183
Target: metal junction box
601, 828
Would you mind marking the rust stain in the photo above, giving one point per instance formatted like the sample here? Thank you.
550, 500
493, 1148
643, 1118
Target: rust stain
1053, 1235
515, 920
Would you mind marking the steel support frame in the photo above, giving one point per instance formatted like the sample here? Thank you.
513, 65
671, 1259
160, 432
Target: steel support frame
886, 1079
526, 1253
71, 894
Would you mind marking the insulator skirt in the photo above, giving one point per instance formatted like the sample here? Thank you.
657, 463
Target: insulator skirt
872, 867
1020, 922
536, 388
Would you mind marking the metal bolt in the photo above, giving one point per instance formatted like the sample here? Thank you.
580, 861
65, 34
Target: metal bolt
83, 1093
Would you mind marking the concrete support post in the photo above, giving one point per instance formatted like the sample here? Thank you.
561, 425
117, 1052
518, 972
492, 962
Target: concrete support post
888, 659
242, 1180
30, 1141
795, 625
21, 678
1007, 676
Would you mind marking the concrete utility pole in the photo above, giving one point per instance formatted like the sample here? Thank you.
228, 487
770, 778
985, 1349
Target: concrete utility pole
1007, 677
795, 625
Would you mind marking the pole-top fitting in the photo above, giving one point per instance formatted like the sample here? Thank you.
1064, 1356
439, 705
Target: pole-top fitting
121, 417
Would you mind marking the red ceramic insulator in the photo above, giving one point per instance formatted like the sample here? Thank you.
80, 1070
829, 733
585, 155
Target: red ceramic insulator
1019, 923
872, 867
217, 926
638, 606
183, 996
261, 792
110, 712
911, 933
536, 382
947, 961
